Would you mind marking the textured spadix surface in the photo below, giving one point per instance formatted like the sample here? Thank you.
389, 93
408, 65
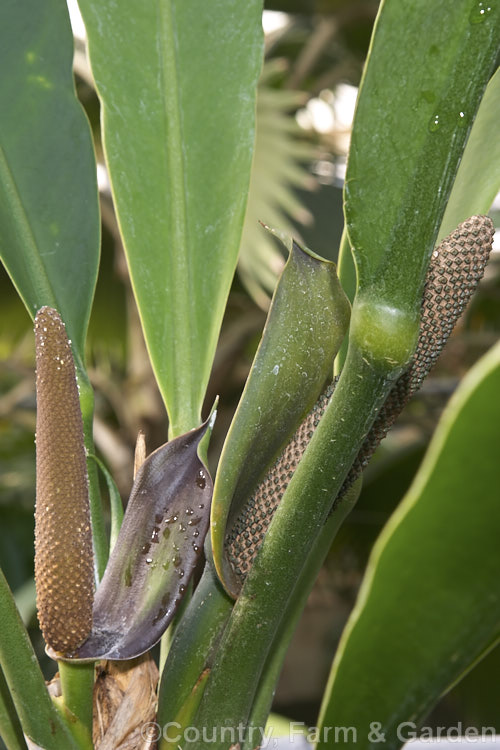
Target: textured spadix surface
63, 539
157, 549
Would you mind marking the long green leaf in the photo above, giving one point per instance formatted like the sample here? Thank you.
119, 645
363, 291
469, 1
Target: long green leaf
49, 215
420, 92
177, 83
478, 177
429, 605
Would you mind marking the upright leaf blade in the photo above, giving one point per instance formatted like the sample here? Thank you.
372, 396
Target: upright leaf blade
49, 215
411, 124
177, 83
429, 605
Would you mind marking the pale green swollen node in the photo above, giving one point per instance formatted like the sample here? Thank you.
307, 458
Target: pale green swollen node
385, 336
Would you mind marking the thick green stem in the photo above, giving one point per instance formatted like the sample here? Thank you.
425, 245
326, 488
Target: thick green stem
262, 704
39, 719
194, 640
168, 636
77, 685
298, 521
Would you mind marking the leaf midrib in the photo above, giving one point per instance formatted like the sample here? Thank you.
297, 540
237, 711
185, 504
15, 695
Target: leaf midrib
179, 257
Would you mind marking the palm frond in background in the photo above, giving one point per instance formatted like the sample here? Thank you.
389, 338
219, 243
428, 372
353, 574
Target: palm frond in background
282, 159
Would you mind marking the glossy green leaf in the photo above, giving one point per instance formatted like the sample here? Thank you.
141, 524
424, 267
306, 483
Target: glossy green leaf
49, 215
422, 86
307, 321
429, 605
159, 544
478, 177
178, 128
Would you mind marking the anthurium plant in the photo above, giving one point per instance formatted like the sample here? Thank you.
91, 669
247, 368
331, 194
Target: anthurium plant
339, 357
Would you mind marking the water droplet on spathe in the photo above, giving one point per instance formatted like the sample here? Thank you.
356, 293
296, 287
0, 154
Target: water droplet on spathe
154, 535
434, 123
479, 12
201, 480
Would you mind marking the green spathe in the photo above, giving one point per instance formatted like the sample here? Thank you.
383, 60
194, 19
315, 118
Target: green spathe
307, 321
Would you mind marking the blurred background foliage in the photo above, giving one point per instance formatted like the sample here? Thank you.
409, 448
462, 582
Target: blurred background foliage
315, 51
